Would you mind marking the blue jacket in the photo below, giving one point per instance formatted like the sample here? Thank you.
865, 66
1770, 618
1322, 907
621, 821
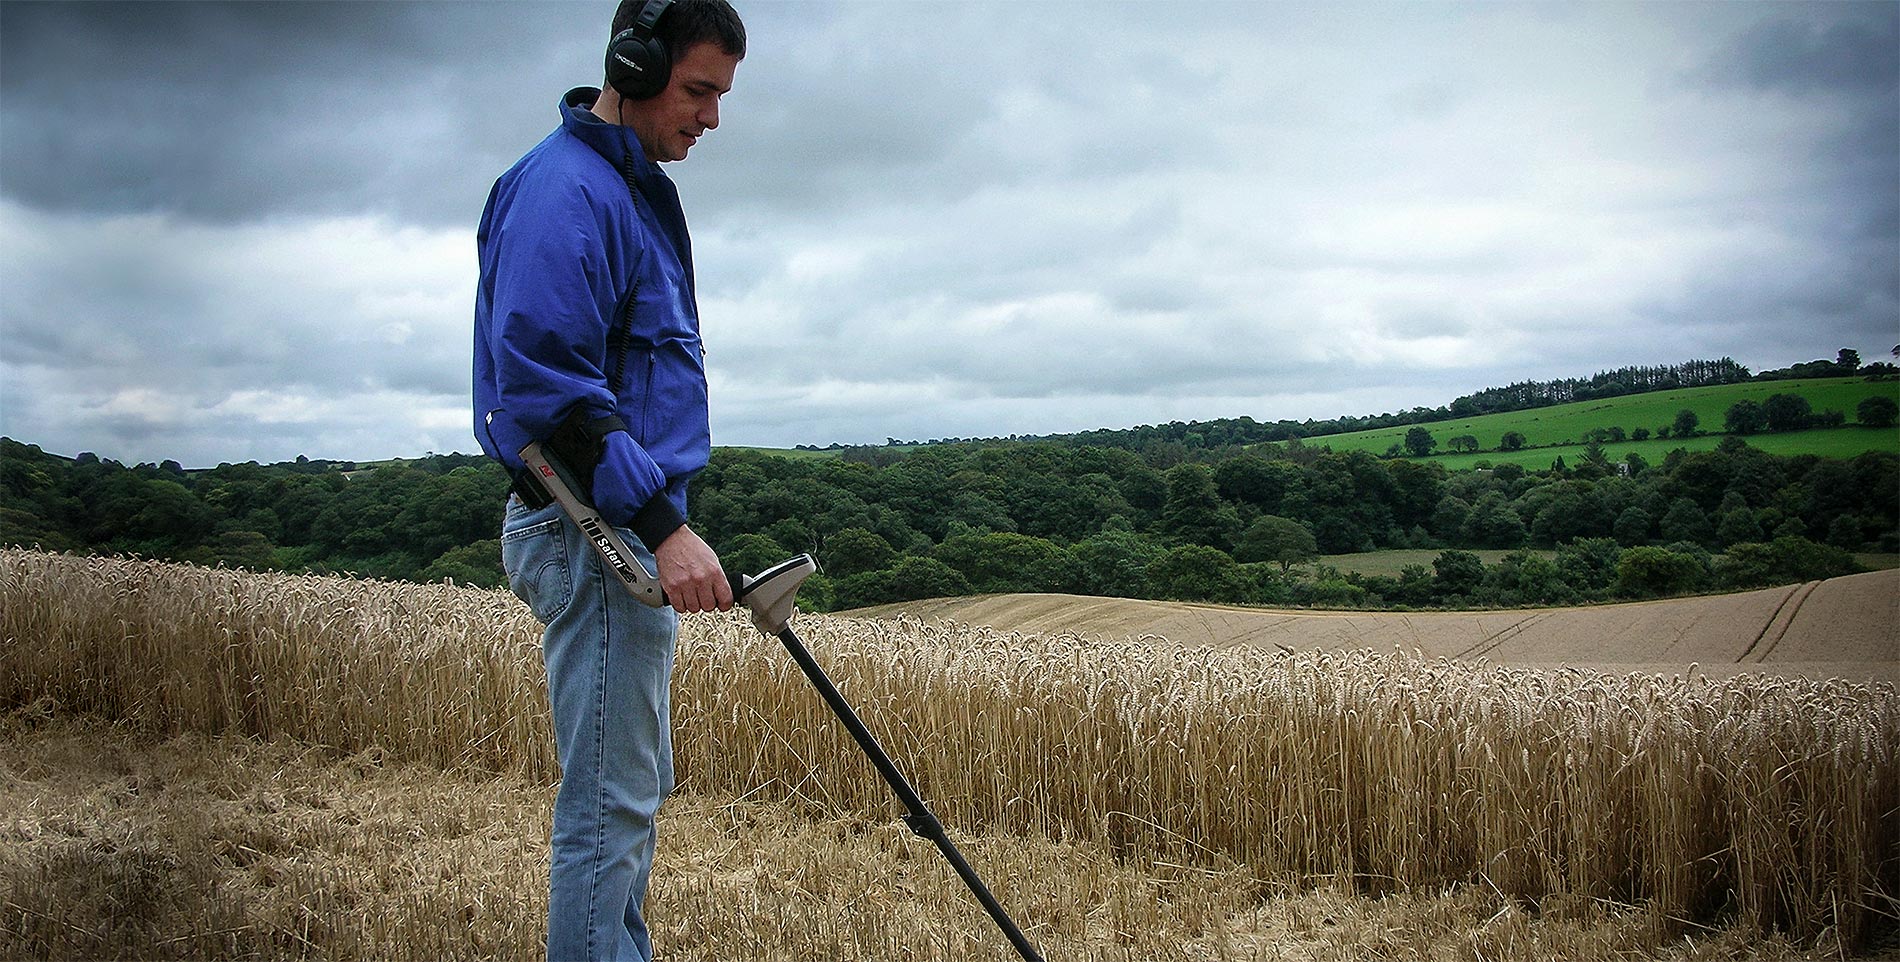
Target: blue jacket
562, 245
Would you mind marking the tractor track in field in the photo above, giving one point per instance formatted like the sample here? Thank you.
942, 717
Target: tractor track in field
1777, 627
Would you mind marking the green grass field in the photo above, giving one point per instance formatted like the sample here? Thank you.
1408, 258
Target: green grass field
793, 453
1824, 442
1389, 563
1559, 430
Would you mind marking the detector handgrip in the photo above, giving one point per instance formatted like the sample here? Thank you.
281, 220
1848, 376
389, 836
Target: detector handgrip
771, 593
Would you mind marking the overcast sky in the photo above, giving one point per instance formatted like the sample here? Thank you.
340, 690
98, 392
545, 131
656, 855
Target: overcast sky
235, 232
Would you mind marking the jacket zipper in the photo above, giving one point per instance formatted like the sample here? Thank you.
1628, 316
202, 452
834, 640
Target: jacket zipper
646, 396
620, 341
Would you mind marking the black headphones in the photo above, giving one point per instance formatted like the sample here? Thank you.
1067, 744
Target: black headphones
638, 65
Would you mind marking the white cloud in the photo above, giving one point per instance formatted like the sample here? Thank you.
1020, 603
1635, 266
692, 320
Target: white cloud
126, 334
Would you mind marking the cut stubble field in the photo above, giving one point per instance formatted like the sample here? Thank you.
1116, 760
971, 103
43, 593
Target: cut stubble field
1845, 627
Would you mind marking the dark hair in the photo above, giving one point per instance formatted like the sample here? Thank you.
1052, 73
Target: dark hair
688, 22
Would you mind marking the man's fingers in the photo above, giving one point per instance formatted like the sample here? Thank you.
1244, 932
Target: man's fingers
701, 591
691, 574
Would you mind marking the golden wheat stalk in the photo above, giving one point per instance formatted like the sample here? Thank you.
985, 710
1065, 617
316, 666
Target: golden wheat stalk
1773, 798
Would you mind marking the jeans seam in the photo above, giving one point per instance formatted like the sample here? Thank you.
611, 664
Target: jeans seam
600, 755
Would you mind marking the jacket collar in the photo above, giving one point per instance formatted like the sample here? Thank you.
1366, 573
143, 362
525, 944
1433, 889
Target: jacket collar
619, 145
612, 141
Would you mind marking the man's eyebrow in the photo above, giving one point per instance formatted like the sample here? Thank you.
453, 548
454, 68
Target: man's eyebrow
705, 84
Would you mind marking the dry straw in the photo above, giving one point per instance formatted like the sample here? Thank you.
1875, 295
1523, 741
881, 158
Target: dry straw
1772, 800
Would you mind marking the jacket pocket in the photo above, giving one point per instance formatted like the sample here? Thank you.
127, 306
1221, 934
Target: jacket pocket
535, 560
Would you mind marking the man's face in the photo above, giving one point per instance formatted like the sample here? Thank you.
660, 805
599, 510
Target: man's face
668, 125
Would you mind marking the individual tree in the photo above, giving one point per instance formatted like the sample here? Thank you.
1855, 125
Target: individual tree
1686, 424
1632, 526
1745, 417
1685, 521
1848, 360
1005, 561
1414, 585
1198, 573
1736, 521
1846, 532
1449, 517
1464, 442
852, 551
1524, 578
1589, 564
1593, 453
1114, 562
1878, 411
1511, 441
1787, 412
1414, 490
1456, 573
1257, 481
751, 553
1656, 572
1419, 442
1494, 524
1280, 540
1194, 512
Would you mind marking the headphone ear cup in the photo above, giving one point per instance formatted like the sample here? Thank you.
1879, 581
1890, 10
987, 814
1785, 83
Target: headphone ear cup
637, 67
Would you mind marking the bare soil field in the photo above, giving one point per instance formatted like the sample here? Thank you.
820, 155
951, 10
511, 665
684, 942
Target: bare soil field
1843, 627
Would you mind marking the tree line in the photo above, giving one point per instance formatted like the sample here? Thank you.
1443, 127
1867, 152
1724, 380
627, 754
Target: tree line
1233, 526
1520, 396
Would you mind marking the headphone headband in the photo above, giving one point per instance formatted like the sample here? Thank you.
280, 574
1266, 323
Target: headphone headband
649, 17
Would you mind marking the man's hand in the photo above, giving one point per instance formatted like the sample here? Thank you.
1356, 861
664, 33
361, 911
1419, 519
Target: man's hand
690, 573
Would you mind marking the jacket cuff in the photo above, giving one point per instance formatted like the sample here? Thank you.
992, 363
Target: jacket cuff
656, 521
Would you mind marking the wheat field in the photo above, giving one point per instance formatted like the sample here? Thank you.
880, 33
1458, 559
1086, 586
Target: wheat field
1771, 804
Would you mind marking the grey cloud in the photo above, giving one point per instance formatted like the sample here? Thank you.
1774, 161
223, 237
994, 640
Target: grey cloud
230, 111
932, 103
1837, 63
931, 219
1799, 56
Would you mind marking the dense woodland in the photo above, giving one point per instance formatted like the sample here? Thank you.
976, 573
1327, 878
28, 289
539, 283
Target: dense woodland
1204, 511
1232, 525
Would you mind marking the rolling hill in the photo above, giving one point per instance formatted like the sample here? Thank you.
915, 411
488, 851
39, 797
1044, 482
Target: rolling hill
1845, 627
1561, 429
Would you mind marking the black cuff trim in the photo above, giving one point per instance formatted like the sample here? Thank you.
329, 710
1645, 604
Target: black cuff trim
656, 521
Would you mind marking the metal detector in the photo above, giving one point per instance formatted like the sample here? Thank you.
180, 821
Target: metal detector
770, 595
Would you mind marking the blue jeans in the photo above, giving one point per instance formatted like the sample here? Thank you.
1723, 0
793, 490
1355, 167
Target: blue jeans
609, 661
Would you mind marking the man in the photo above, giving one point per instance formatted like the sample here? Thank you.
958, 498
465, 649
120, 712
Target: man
587, 340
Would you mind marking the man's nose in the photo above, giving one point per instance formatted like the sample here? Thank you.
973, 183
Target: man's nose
709, 117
